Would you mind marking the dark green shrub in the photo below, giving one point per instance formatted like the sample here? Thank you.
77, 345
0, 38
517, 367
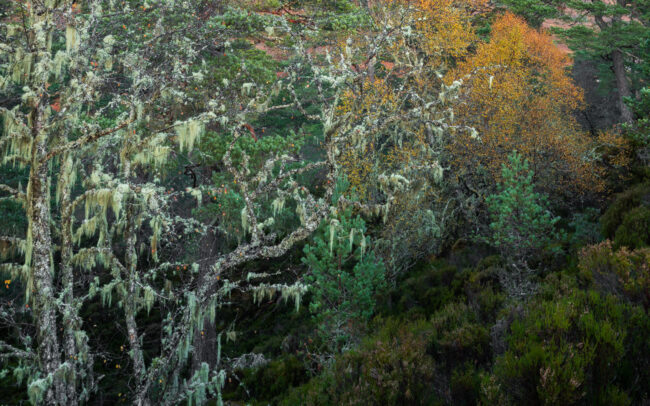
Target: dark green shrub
344, 276
623, 273
521, 226
634, 231
586, 229
390, 368
419, 362
275, 378
458, 337
426, 289
483, 290
622, 204
571, 350
465, 385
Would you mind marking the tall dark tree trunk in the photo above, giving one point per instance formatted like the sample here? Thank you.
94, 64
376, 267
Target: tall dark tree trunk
205, 341
622, 85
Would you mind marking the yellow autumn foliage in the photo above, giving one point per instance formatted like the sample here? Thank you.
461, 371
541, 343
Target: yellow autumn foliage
440, 30
444, 25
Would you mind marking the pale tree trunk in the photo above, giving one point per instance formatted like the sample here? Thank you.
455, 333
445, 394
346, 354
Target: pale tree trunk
622, 85
205, 340
38, 213
130, 309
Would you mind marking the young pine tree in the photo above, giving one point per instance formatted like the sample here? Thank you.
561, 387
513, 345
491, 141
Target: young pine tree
521, 226
344, 276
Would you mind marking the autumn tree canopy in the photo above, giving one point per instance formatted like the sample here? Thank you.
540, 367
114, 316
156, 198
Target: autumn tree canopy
519, 96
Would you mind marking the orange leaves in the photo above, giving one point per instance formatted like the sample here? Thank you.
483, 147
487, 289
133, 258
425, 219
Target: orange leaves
519, 96
56, 105
615, 148
372, 103
251, 130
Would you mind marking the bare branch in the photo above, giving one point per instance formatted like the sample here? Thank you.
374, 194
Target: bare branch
9, 351
15, 193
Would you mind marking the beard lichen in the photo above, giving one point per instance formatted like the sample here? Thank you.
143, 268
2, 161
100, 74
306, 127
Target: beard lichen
188, 133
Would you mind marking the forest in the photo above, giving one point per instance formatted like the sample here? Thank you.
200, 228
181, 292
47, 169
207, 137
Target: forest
325, 202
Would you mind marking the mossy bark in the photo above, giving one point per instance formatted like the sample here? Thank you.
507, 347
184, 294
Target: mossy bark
42, 275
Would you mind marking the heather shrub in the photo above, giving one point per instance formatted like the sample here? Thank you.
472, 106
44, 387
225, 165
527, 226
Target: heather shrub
620, 272
584, 347
391, 367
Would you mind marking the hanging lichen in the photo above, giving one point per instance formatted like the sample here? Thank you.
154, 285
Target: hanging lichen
71, 38
196, 193
68, 177
244, 220
156, 156
295, 292
20, 142
332, 233
87, 259
21, 66
287, 292
262, 291
87, 229
188, 133
277, 205
148, 298
156, 224
246, 88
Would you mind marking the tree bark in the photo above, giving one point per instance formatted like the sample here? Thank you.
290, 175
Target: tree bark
71, 320
130, 302
205, 341
622, 85
38, 213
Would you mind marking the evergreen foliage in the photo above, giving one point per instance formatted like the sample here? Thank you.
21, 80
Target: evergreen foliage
521, 225
345, 277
